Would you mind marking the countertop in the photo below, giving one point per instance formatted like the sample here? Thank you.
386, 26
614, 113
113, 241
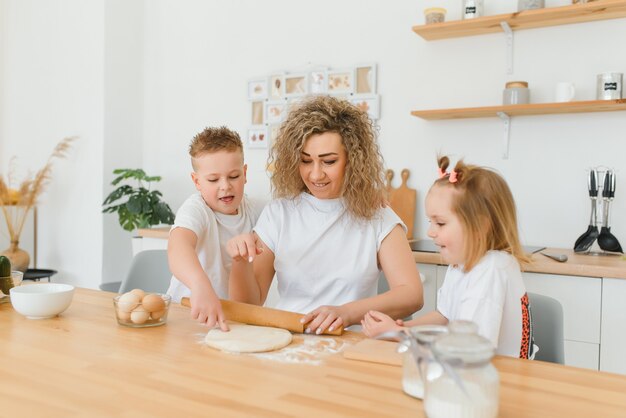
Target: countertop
611, 266
83, 364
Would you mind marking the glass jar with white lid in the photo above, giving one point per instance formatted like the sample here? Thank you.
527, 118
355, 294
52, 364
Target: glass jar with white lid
473, 390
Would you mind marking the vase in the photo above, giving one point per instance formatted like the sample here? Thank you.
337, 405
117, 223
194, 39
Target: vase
19, 258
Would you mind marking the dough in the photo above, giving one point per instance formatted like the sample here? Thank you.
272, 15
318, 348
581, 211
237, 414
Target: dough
244, 338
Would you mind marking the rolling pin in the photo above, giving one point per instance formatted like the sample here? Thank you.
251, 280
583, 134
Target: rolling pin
266, 317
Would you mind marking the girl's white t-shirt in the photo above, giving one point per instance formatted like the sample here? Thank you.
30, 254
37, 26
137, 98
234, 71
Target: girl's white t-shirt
213, 230
323, 255
493, 296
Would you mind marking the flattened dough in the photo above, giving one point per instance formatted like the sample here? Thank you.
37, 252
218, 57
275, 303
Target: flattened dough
244, 338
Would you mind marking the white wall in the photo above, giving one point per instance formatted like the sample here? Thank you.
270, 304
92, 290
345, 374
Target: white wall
138, 79
52, 86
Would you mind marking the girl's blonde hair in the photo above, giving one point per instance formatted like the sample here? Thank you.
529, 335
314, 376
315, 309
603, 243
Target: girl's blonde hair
485, 206
363, 185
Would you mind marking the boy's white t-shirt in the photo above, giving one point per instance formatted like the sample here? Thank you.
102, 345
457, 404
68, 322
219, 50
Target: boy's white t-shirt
493, 296
323, 255
213, 230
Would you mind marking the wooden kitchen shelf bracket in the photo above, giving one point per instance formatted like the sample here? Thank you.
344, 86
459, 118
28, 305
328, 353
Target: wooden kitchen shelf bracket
508, 33
507, 134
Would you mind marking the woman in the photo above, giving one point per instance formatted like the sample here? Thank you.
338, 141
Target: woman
326, 236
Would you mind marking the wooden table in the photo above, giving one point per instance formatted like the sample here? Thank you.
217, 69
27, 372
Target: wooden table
83, 364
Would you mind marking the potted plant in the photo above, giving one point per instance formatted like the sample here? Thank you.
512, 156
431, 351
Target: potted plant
140, 207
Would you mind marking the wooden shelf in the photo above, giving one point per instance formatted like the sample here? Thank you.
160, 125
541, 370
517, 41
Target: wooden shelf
527, 19
523, 110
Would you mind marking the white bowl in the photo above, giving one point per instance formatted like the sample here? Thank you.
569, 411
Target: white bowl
39, 301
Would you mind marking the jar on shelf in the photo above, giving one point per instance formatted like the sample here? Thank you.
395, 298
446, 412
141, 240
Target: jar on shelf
609, 86
472, 389
435, 15
424, 335
472, 9
530, 4
516, 92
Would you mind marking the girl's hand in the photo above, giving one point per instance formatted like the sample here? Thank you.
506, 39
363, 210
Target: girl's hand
244, 247
324, 318
375, 323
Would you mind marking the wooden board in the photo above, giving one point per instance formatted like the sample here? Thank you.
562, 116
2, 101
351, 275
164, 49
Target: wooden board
402, 200
374, 351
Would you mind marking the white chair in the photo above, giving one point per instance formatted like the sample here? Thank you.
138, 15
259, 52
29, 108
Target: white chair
149, 271
547, 326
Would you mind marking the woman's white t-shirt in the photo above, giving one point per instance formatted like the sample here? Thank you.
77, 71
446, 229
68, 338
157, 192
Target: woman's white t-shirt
493, 296
213, 230
323, 255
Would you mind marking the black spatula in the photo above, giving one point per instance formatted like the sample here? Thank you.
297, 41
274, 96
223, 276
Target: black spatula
584, 242
606, 240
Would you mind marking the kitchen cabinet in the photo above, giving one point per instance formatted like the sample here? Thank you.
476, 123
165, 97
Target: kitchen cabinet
613, 332
527, 19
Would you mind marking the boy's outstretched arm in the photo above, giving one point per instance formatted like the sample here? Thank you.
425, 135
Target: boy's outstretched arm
184, 264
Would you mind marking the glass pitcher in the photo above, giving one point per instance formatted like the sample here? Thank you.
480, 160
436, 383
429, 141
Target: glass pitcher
471, 388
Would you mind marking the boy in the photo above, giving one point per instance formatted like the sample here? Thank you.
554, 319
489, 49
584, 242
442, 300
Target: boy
206, 221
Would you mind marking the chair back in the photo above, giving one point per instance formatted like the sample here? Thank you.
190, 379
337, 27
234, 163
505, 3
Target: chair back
547, 325
149, 271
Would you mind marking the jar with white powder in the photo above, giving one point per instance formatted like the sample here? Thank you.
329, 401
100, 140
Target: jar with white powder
424, 335
475, 393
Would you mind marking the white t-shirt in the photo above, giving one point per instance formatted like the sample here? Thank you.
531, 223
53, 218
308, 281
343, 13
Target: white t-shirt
493, 296
323, 255
213, 230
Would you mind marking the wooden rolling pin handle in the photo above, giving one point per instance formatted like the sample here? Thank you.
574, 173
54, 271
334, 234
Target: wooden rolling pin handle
290, 321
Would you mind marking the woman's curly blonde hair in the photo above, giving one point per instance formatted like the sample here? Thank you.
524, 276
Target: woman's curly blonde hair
363, 185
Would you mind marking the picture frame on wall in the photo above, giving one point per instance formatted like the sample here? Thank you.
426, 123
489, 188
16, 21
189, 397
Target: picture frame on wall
340, 81
317, 82
256, 112
365, 82
275, 111
296, 85
257, 89
369, 103
277, 86
272, 132
257, 137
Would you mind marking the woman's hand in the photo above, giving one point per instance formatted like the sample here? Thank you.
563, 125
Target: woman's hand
244, 247
323, 318
375, 323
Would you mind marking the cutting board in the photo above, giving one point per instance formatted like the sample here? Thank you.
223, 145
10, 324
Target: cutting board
402, 200
374, 351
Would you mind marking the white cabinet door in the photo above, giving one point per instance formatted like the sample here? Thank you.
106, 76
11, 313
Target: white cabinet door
613, 345
586, 355
581, 298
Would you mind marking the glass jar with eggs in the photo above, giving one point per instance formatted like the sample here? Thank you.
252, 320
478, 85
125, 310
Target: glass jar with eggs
139, 309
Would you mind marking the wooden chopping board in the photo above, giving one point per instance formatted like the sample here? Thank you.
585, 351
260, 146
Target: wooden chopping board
374, 351
402, 200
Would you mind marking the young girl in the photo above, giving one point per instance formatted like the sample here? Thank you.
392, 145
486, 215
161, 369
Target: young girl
473, 221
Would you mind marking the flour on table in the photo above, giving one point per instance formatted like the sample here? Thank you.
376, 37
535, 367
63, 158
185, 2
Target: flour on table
244, 338
305, 349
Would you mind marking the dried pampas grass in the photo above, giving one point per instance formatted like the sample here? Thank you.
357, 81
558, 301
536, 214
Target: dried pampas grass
24, 197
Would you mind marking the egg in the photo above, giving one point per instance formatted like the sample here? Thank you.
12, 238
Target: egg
139, 315
124, 316
128, 301
157, 314
139, 293
153, 303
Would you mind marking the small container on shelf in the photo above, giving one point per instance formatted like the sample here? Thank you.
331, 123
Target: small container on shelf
472, 9
609, 86
516, 92
530, 4
138, 309
435, 15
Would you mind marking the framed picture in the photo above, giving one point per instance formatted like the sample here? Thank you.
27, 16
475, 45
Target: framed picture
296, 85
272, 132
277, 86
365, 79
257, 89
275, 112
317, 82
256, 112
340, 81
257, 137
368, 103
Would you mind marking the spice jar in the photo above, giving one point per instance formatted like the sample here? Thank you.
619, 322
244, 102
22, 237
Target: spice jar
530, 4
471, 389
424, 335
516, 92
435, 15
472, 9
